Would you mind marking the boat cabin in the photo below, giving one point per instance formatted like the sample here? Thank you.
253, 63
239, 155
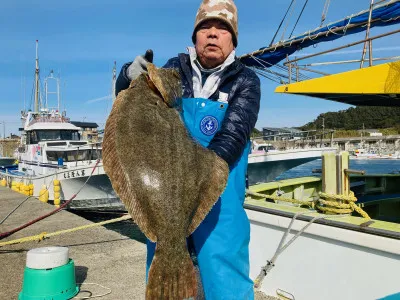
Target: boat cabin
51, 141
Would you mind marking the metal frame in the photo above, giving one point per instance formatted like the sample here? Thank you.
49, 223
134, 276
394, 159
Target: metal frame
293, 63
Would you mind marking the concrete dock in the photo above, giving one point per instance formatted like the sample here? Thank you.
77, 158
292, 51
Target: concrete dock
101, 256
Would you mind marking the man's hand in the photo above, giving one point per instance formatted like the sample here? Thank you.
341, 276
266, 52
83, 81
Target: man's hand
139, 65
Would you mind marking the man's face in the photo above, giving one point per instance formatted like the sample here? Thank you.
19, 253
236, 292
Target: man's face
213, 43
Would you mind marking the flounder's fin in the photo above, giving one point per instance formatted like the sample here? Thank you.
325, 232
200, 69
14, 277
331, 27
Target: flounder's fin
168, 86
168, 281
112, 166
212, 188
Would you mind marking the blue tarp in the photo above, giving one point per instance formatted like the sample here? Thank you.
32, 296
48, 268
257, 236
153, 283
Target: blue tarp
385, 15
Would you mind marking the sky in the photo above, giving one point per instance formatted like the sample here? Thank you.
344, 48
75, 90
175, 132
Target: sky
81, 39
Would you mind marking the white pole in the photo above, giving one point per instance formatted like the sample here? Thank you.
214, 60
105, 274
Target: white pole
371, 8
114, 80
58, 94
37, 79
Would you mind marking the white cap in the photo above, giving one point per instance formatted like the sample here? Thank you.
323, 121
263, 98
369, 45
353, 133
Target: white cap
47, 257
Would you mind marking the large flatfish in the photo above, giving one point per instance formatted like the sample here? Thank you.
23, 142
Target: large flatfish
166, 180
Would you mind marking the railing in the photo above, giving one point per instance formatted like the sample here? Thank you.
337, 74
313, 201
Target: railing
294, 68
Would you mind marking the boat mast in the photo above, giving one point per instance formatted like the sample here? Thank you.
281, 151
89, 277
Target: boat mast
37, 80
114, 80
47, 92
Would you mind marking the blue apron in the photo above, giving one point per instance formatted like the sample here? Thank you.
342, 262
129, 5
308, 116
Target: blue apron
222, 239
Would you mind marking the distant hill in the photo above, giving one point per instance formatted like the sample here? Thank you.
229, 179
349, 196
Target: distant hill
354, 118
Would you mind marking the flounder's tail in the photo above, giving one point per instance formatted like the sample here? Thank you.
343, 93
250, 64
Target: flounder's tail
169, 281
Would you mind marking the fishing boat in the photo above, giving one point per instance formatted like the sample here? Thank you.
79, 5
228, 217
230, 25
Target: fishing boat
53, 157
336, 236
363, 154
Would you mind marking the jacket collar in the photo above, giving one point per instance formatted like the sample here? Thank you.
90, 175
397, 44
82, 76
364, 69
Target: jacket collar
230, 71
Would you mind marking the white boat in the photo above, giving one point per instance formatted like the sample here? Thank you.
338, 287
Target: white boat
266, 163
51, 149
334, 259
372, 154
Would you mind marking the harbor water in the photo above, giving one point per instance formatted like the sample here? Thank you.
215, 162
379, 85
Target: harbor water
370, 166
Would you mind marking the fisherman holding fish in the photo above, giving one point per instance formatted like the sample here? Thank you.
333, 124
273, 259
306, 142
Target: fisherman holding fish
221, 99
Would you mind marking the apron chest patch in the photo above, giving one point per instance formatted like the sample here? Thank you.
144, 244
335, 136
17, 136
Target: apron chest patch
209, 125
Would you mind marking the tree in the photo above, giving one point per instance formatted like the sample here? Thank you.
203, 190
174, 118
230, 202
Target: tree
354, 118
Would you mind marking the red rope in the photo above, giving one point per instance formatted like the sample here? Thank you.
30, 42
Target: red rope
8, 233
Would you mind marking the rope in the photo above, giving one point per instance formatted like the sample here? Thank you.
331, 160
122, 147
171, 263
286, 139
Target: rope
282, 247
45, 235
11, 212
325, 11
280, 198
26, 199
287, 25
8, 233
298, 19
339, 204
280, 25
327, 203
95, 296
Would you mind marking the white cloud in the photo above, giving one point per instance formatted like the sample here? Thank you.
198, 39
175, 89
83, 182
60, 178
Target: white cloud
108, 97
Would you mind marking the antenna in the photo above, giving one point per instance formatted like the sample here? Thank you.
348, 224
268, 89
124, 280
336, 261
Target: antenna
36, 108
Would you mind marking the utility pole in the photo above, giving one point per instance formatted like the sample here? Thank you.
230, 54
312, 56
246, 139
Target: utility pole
323, 131
4, 129
362, 135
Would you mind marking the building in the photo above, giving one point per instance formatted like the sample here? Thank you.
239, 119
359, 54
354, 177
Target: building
279, 134
88, 130
370, 132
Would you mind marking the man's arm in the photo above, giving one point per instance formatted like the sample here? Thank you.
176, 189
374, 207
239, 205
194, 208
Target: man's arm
130, 71
239, 121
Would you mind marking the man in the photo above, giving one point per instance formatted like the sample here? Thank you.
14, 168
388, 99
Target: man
220, 104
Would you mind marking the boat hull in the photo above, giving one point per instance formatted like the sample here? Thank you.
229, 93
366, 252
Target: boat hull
325, 262
97, 195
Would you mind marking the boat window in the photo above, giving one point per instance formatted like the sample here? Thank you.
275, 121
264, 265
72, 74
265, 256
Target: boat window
54, 155
57, 144
78, 143
265, 148
71, 156
36, 136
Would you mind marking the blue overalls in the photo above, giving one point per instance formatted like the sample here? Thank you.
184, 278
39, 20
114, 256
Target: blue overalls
221, 241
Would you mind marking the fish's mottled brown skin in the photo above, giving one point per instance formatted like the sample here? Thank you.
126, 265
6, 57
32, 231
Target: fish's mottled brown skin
166, 180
